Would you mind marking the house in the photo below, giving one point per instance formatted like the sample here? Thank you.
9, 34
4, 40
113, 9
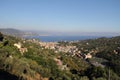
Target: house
88, 56
58, 61
22, 50
18, 45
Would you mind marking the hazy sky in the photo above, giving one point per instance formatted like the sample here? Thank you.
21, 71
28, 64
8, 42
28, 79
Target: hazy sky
61, 15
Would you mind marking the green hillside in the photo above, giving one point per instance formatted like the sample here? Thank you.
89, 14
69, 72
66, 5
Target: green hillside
22, 59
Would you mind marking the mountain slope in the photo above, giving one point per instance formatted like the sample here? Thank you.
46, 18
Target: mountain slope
28, 60
13, 32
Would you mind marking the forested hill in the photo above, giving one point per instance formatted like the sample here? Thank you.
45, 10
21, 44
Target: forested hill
22, 59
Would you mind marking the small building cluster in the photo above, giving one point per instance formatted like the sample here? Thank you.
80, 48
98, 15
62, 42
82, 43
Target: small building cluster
71, 50
21, 49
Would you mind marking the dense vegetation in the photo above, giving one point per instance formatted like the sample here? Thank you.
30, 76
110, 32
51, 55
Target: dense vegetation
105, 63
38, 63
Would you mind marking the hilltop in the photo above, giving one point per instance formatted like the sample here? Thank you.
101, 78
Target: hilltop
31, 59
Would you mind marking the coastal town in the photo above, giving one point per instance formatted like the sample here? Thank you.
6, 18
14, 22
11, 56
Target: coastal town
68, 49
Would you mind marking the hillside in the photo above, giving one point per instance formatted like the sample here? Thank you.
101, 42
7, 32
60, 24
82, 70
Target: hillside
34, 60
12, 32
17, 33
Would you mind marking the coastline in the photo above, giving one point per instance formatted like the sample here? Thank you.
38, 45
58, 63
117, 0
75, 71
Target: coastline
62, 38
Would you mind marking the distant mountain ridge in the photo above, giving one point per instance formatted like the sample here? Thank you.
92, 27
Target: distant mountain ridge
11, 31
16, 32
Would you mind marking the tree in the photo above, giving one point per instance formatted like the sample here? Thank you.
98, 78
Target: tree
1, 36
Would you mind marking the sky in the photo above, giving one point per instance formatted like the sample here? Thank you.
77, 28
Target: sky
61, 15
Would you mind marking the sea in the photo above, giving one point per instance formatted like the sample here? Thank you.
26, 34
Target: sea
61, 38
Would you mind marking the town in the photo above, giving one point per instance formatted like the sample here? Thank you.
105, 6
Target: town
68, 49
